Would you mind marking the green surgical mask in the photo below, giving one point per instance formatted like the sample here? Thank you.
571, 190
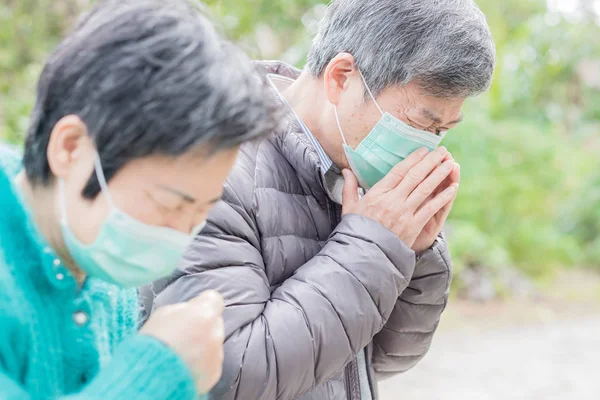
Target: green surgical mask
126, 252
389, 142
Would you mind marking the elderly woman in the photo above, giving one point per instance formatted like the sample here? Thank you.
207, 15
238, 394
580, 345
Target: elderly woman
138, 120
325, 291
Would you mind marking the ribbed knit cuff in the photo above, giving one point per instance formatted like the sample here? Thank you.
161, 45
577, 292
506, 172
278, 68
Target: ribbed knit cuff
143, 368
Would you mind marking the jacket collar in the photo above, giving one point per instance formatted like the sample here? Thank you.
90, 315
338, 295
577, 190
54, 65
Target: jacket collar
297, 144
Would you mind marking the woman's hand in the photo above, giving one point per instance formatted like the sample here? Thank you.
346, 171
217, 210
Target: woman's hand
195, 331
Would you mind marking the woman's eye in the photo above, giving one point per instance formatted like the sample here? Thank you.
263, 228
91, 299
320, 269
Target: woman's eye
161, 204
162, 208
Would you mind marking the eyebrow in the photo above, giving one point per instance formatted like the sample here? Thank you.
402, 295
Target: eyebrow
436, 119
186, 197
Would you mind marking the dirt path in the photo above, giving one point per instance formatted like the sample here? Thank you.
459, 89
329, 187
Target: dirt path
545, 361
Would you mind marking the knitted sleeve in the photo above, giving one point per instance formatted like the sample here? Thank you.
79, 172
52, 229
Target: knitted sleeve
142, 369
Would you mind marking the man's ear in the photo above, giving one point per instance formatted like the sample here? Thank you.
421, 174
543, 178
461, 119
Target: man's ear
69, 142
336, 76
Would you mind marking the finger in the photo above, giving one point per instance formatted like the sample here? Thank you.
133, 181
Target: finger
448, 157
209, 302
419, 172
426, 188
428, 210
443, 214
398, 173
455, 175
349, 192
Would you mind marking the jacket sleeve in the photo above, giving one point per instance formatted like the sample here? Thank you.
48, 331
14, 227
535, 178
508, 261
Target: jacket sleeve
282, 341
141, 369
407, 335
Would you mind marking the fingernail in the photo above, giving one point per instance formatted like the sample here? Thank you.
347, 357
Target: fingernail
345, 172
423, 151
449, 165
442, 150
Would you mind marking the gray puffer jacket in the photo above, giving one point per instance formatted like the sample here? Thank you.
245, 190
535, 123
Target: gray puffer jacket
306, 289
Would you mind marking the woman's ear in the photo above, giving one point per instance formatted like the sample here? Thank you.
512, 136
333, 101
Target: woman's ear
336, 76
69, 142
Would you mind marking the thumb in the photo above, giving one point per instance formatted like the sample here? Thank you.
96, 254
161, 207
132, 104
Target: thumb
349, 192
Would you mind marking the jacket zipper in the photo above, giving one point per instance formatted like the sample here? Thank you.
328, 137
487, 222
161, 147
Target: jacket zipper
348, 385
336, 217
352, 381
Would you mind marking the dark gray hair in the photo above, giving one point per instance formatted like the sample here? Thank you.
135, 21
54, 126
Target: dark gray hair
147, 77
445, 45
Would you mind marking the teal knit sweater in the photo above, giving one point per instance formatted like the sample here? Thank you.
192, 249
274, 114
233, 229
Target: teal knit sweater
61, 341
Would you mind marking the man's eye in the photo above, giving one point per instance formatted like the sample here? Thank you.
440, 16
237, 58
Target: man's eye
416, 125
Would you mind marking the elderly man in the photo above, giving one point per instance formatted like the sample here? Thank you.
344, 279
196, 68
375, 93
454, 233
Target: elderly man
324, 289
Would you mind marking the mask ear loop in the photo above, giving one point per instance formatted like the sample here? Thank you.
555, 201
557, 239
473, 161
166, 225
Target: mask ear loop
63, 203
337, 119
370, 93
102, 180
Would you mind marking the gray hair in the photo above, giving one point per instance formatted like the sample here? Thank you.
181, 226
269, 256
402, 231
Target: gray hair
147, 77
444, 45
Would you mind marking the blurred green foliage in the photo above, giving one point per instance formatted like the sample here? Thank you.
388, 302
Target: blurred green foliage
530, 190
